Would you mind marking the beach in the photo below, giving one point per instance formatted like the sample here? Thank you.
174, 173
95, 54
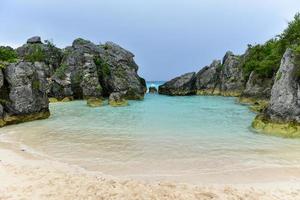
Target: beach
27, 176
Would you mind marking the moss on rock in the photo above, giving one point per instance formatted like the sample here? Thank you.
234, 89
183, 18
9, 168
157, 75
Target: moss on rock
118, 103
16, 119
287, 130
94, 102
255, 105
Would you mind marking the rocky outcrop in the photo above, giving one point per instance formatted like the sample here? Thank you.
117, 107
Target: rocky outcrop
117, 99
179, 86
23, 93
224, 78
231, 76
90, 70
37, 71
152, 90
208, 79
282, 116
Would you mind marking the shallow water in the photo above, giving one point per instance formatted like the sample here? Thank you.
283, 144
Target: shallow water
191, 139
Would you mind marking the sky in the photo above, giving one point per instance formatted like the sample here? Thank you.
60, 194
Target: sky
168, 37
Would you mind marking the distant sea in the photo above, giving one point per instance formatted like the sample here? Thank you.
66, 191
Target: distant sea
191, 139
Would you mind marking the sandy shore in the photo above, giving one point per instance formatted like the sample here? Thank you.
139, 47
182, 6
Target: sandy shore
27, 176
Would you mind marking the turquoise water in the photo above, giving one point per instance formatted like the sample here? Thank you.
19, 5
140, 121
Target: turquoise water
178, 138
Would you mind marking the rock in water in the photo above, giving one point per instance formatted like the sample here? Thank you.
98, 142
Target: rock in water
283, 113
24, 93
95, 102
90, 70
119, 72
182, 85
152, 90
117, 99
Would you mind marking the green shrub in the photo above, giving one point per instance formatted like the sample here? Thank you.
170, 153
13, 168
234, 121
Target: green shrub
8, 54
102, 66
36, 54
60, 72
36, 85
265, 59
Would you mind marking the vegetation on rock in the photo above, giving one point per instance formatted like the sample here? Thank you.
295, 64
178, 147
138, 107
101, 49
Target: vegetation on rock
265, 59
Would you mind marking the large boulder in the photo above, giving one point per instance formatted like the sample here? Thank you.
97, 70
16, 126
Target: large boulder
116, 99
152, 89
208, 79
34, 40
24, 93
283, 113
232, 79
119, 72
180, 86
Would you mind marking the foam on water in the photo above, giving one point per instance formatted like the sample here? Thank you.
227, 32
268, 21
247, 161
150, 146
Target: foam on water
181, 138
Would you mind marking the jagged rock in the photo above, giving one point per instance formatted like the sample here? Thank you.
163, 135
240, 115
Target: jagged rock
90, 81
285, 95
208, 79
34, 40
258, 87
283, 113
152, 90
90, 70
24, 93
117, 99
232, 80
182, 85
119, 72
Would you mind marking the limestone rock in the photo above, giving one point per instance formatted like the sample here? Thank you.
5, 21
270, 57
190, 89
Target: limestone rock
119, 72
34, 40
232, 80
94, 102
182, 85
152, 90
208, 79
117, 99
285, 95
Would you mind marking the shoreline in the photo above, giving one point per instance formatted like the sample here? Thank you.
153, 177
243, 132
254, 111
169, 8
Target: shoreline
27, 176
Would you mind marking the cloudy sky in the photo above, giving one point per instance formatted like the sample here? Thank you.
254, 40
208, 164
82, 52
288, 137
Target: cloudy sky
168, 37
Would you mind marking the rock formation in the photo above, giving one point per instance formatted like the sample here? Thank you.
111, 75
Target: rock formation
90, 70
282, 116
224, 78
84, 70
152, 90
208, 79
23, 93
180, 86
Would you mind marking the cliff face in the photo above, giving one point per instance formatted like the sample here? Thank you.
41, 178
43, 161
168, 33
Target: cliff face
82, 71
